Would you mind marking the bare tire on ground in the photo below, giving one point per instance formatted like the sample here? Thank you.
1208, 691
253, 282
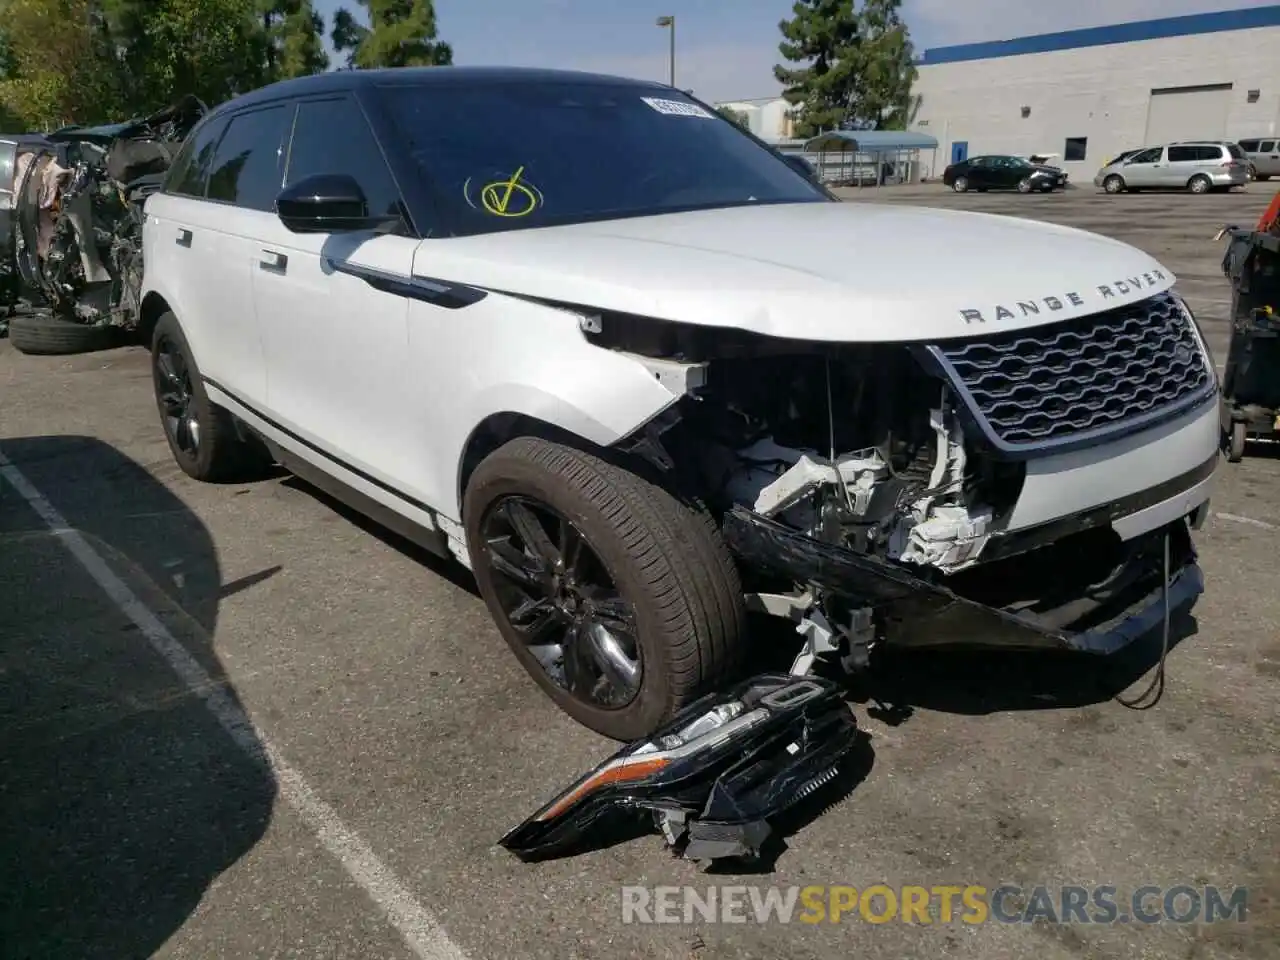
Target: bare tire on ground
1200, 184
1113, 184
621, 601
40, 334
1235, 447
960, 185
202, 437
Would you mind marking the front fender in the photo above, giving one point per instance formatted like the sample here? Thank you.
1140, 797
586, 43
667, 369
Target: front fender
506, 357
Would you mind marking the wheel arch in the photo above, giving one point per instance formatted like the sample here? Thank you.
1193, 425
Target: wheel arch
153, 307
567, 426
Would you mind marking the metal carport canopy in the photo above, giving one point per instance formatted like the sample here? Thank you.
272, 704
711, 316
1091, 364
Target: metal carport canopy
870, 141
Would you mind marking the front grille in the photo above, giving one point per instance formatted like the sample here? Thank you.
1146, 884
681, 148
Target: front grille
1107, 371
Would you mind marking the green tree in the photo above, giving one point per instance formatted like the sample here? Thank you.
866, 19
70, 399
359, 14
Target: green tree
822, 35
214, 49
293, 39
400, 33
59, 66
885, 68
856, 64
734, 116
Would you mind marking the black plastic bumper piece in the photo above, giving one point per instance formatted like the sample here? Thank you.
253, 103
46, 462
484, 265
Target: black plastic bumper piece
713, 778
917, 612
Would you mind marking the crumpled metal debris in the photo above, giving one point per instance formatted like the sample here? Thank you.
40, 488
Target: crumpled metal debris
78, 212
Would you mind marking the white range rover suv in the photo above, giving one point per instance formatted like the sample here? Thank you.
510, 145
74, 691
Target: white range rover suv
641, 376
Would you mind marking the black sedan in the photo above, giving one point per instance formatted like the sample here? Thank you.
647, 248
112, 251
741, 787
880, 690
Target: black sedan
1003, 173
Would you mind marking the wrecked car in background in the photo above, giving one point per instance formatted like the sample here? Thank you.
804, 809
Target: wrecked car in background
72, 227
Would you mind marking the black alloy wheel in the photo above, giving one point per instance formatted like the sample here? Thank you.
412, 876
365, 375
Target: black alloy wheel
558, 597
176, 396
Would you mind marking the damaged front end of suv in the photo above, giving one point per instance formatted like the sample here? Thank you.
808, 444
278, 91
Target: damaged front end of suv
1034, 488
77, 214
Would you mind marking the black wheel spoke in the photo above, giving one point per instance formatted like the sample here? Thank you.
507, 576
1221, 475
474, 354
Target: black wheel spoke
513, 564
610, 657
560, 601
535, 618
570, 547
533, 535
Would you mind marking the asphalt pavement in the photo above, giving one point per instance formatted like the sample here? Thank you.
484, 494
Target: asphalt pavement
240, 721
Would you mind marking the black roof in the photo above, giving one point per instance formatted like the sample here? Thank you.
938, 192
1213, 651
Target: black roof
439, 77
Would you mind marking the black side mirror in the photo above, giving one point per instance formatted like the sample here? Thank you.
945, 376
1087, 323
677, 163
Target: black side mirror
326, 203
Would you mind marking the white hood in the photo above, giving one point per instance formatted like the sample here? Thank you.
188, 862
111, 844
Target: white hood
814, 271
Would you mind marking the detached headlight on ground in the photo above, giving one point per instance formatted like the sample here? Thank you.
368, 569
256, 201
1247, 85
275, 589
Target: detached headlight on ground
711, 779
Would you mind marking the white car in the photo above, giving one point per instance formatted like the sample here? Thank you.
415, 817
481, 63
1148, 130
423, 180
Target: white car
642, 377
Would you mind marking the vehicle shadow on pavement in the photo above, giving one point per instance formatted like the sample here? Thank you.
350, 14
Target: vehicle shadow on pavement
122, 798
977, 682
455, 573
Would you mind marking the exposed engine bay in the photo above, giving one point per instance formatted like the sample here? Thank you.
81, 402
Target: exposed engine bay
863, 499
78, 213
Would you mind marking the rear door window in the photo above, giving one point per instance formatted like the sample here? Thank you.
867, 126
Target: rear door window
247, 167
189, 175
1183, 154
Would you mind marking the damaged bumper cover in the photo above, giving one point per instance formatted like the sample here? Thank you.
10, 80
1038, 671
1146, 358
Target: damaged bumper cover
711, 779
1101, 612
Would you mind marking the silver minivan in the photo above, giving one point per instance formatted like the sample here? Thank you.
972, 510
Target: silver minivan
1195, 165
1263, 156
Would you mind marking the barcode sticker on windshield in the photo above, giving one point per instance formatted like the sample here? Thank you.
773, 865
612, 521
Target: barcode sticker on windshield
677, 108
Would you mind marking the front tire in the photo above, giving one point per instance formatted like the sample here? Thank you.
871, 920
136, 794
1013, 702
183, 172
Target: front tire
620, 601
1024, 185
202, 437
1113, 184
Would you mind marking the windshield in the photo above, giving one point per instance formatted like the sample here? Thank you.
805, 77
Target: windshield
506, 157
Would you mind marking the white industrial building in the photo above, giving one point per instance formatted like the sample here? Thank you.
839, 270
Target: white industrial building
1085, 95
769, 118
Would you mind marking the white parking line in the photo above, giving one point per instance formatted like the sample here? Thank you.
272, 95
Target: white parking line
1247, 521
420, 930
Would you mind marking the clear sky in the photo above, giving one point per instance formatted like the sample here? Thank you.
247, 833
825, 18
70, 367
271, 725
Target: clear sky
726, 49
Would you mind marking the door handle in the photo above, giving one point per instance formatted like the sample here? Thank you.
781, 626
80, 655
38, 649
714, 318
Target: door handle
274, 261
184, 237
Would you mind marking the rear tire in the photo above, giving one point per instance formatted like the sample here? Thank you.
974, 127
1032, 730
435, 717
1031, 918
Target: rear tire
1113, 184
658, 558
202, 437
1200, 184
39, 334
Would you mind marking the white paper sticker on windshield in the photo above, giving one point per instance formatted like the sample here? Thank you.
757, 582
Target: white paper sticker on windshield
677, 108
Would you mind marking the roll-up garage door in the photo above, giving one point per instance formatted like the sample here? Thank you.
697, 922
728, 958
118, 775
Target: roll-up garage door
1188, 113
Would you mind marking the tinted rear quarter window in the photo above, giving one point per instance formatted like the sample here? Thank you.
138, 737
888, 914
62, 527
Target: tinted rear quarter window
247, 168
1249, 146
1235, 151
1267, 146
189, 175
332, 136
